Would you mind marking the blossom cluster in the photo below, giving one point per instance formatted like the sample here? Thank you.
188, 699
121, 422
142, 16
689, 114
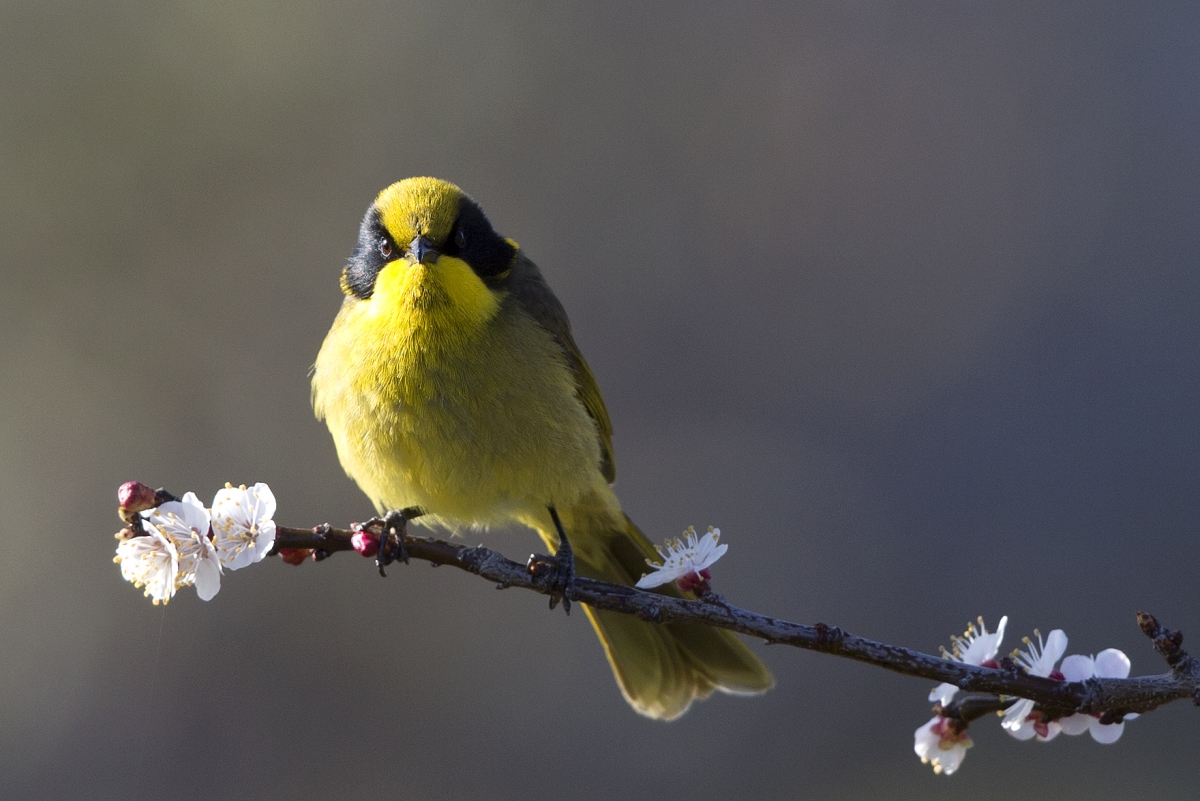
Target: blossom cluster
943, 742
181, 542
171, 544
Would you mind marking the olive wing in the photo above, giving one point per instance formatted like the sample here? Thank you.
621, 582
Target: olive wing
529, 290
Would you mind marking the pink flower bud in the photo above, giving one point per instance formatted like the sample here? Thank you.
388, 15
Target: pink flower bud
1056, 675
365, 542
990, 663
295, 556
134, 496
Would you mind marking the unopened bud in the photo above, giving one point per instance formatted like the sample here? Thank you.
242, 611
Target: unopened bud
134, 496
365, 542
295, 556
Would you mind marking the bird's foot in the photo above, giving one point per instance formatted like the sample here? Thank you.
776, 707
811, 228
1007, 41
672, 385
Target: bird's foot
393, 529
558, 571
556, 574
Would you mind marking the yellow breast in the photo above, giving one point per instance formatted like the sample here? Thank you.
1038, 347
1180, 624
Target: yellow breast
442, 394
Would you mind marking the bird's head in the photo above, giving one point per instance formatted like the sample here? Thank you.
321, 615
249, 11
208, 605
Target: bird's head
423, 231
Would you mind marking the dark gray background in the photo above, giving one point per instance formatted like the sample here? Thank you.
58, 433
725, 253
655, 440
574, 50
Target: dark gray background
903, 297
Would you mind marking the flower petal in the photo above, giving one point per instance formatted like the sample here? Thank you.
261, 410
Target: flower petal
265, 541
1056, 646
655, 579
943, 694
1076, 724
1015, 718
1107, 733
1052, 730
1078, 667
208, 578
1023, 732
996, 638
1112, 664
264, 506
924, 740
194, 514
712, 555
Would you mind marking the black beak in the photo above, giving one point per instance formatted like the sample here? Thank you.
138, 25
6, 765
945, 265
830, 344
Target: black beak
422, 251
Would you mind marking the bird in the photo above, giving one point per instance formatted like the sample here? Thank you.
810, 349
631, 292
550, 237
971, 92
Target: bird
454, 392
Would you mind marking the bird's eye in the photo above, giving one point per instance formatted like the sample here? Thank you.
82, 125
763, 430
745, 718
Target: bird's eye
385, 248
460, 239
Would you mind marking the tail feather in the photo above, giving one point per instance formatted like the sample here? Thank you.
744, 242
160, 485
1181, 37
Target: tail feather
661, 668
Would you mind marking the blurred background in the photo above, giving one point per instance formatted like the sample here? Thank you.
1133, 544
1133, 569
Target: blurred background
903, 297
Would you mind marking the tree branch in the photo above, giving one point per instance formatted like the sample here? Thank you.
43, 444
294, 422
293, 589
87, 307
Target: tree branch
1111, 699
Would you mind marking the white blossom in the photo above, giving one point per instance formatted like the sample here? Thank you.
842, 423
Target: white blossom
1020, 720
186, 523
243, 531
149, 561
936, 742
974, 647
1108, 664
681, 557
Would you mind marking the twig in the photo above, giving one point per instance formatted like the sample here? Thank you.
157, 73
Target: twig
1112, 699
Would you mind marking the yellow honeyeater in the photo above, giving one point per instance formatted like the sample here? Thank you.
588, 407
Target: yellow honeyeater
452, 385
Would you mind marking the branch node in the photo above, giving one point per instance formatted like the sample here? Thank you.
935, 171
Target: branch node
829, 637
